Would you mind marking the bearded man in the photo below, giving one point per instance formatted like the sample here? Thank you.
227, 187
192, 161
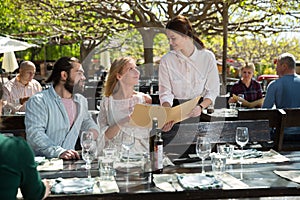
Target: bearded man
55, 117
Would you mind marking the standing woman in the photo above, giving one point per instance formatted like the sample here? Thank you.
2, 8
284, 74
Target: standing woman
118, 103
188, 70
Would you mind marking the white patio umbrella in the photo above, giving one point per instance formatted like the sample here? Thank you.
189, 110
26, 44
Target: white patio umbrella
8, 46
9, 62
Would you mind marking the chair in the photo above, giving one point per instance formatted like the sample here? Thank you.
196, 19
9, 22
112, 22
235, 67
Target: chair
275, 117
290, 119
219, 132
13, 124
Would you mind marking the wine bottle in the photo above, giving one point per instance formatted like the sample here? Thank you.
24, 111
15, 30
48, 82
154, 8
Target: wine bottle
152, 136
158, 153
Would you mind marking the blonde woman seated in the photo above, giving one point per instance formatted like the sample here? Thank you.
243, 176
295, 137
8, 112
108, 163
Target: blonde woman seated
118, 104
248, 86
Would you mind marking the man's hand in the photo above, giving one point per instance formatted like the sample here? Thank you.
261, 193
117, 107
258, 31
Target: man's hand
70, 155
23, 100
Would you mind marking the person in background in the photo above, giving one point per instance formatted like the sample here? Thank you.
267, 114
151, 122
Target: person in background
188, 70
18, 170
118, 103
247, 85
55, 117
17, 91
283, 92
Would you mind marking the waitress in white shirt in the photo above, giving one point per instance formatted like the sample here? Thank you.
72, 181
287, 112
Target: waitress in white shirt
188, 70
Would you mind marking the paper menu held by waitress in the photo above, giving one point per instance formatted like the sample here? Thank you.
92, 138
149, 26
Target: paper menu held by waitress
143, 113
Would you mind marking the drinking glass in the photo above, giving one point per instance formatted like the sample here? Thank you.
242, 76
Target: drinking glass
88, 155
86, 139
89, 147
242, 136
240, 98
98, 102
128, 140
203, 149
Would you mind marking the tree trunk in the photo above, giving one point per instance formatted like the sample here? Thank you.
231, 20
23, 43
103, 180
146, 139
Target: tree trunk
148, 35
225, 36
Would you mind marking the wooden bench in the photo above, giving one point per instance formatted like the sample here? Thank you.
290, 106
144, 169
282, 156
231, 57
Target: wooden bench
182, 139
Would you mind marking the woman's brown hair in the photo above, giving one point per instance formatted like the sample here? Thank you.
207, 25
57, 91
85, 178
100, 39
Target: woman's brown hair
183, 26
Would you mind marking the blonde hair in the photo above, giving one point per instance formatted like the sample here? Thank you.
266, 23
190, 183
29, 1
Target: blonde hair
116, 68
248, 66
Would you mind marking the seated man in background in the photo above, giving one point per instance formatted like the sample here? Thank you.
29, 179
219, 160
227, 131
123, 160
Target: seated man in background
247, 85
55, 117
18, 90
284, 92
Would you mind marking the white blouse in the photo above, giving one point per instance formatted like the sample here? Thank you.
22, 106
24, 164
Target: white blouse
112, 111
182, 77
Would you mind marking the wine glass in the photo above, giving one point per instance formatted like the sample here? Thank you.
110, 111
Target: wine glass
88, 145
242, 136
203, 149
128, 140
86, 139
88, 155
240, 99
98, 102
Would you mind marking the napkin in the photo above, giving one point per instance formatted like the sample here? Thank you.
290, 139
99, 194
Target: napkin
249, 153
167, 182
199, 181
259, 157
105, 186
72, 186
293, 175
53, 164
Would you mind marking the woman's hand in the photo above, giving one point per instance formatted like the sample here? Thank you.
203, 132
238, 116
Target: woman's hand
168, 126
195, 112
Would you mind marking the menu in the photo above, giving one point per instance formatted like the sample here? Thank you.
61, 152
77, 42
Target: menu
143, 113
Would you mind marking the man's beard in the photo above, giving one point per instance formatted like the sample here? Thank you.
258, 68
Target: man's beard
73, 88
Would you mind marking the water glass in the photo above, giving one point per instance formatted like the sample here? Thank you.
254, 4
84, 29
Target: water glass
106, 163
218, 163
226, 149
232, 106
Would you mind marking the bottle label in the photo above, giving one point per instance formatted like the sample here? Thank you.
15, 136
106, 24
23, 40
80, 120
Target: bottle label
158, 153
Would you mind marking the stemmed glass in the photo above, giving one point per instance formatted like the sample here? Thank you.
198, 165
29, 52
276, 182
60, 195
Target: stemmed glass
89, 147
240, 99
128, 141
203, 149
242, 138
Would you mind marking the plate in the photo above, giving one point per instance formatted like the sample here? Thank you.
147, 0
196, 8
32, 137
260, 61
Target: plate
195, 180
132, 157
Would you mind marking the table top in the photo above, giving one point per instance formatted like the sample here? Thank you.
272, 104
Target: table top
260, 179
219, 114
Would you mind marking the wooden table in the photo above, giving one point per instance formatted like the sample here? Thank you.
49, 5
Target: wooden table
220, 114
260, 178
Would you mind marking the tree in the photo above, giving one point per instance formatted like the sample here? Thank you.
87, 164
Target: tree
91, 22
